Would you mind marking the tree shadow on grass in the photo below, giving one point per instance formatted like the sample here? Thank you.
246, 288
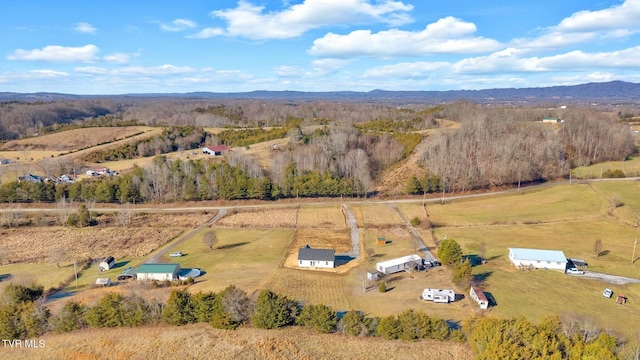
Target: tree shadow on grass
482, 277
231, 246
4, 277
120, 264
474, 259
604, 253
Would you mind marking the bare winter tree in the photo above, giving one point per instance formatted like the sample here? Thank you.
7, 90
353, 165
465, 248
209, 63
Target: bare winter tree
64, 206
210, 239
11, 216
124, 215
4, 254
597, 248
58, 255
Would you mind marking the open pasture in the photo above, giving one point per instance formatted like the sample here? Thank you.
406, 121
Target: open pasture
246, 258
261, 218
46, 274
631, 168
321, 216
74, 139
313, 287
399, 242
376, 215
558, 203
574, 238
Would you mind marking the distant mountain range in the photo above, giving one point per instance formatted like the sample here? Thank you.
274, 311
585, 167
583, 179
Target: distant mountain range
613, 92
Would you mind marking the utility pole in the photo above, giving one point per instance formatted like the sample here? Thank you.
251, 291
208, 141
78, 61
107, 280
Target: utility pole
75, 270
633, 257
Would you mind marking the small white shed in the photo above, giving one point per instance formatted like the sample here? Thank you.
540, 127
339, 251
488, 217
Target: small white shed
400, 264
107, 263
479, 297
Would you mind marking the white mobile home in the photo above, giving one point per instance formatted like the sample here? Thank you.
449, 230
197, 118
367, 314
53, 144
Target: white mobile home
158, 272
540, 259
107, 263
439, 295
103, 281
479, 297
413, 262
316, 258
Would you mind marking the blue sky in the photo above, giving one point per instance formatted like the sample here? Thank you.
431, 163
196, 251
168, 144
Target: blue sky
143, 46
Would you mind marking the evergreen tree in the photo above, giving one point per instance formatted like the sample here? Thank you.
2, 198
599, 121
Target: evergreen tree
273, 311
179, 309
449, 252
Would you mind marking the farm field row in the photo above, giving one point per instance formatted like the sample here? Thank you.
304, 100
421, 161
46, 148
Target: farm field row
566, 217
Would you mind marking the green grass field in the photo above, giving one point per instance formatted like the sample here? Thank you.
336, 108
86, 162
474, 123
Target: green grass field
631, 168
46, 274
567, 218
245, 258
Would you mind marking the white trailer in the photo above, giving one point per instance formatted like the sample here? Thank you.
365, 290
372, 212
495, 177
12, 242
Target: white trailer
439, 295
413, 262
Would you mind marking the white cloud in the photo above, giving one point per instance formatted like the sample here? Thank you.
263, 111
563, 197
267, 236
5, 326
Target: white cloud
587, 27
166, 69
446, 36
207, 33
117, 58
47, 74
621, 16
288, 71
250, 21
406, 70
179, 25
55, 53
85, 28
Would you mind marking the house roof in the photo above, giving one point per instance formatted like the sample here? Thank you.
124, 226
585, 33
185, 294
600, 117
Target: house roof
479, 293
109, 259
158, 268
537, 255
399, 261
307, 253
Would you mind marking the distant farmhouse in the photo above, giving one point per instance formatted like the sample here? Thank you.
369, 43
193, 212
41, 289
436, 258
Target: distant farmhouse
316, 258
31, 178
216, 150
540, 259
158, 272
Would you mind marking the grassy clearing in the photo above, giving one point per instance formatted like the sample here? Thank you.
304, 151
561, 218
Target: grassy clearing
575, 238
413, 210
321, 216
263, 218
200, 341
398, 243
337, 239
631, 168
245, 258
628, 191
75, 139
558, 203
315, 287
46, 274
538, 293
377, 215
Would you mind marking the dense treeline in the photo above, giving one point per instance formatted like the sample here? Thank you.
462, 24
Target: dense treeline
175, 138
23, 316
166, 180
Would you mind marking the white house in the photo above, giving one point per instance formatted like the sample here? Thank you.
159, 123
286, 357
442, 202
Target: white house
216, 150
478, 296
316, 258
400, 264
540, 259
159, 272
439, 295
107, 263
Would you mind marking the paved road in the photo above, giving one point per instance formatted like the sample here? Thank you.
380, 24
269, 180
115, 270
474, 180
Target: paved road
611, 279
155, 258
355, 234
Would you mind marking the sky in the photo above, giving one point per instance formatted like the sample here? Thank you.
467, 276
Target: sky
161, 46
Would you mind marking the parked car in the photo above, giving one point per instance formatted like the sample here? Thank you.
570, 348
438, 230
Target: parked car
176, 254
574, 271
607, 293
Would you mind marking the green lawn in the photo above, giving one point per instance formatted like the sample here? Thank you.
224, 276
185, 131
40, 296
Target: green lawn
46, 274
563, 202
631, 168
243, 257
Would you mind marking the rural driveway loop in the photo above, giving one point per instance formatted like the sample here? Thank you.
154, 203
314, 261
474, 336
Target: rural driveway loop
611, 279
